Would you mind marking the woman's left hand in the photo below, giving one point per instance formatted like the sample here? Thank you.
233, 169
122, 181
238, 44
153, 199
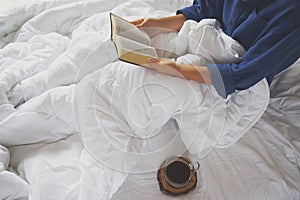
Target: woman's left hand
200, 74
165, 66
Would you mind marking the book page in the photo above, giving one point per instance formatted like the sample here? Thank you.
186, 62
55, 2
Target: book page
125, 44
124, 28
134, 52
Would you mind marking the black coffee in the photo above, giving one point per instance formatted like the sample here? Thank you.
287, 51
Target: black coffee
178, 172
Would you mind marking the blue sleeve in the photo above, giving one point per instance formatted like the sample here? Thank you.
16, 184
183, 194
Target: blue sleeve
274, 52
202, 9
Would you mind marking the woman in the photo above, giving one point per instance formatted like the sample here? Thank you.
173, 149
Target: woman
269, 30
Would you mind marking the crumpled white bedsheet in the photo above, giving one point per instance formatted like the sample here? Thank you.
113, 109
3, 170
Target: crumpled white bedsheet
264, 163
11, 185
69, 82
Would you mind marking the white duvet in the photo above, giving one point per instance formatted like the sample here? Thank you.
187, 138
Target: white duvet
59, 76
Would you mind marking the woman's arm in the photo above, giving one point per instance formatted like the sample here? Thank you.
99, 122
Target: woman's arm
203, 9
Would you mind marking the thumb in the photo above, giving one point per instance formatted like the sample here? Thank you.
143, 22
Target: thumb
142, 23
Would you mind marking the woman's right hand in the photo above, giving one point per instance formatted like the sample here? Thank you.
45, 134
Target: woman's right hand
146, 22
154, 26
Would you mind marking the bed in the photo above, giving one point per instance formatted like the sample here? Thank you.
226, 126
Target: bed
51, 146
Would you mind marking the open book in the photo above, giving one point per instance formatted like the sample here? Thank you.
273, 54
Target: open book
133, 44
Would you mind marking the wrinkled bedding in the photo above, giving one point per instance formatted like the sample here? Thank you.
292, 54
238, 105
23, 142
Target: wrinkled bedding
263, 164
59, 78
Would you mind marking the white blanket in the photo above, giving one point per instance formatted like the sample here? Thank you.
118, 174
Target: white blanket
59, 76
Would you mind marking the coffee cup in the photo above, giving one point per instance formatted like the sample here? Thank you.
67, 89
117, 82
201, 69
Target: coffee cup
179, 170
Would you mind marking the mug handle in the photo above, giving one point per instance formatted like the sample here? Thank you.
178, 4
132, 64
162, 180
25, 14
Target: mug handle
195, 166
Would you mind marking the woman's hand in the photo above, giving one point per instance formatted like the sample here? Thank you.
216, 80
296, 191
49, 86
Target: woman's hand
165, 66
146, 22
154, 26
200, 74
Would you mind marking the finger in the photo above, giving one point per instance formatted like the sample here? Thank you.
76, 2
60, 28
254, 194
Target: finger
165, 62
138, 21
152, 60
142, 24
